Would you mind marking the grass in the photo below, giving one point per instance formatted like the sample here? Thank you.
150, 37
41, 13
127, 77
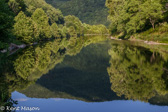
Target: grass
159, 34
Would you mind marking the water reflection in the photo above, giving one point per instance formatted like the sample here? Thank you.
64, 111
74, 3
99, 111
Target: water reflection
90, 69
83, 77
22, 69
137, 73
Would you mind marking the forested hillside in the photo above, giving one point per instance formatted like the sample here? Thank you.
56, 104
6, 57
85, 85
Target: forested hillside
30, 21
88, 11
129, 17
142, 19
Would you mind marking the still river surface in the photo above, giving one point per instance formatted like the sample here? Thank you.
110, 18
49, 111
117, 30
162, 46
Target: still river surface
88, 75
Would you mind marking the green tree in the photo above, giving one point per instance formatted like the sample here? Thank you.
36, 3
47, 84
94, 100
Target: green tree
55, 31
25, 29
17, 5
74, 24
152, 10
54, 15
14, 6
6, 22
130, 16
95, 29
41, 19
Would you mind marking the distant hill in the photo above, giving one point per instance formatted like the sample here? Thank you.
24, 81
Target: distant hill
88, 11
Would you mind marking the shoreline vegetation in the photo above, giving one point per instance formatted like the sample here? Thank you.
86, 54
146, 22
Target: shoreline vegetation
14, 47
29, 21
139, 19
139, 40
25, 22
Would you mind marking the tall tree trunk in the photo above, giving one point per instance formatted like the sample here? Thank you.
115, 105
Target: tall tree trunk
152, 22
153, 25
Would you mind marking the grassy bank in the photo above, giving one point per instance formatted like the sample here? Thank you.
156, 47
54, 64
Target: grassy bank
159, 34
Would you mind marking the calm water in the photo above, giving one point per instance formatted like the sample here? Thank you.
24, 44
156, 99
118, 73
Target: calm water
86, 75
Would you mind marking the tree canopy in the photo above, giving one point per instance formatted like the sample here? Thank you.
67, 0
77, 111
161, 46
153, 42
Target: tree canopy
6, 22
91, 12
130, 16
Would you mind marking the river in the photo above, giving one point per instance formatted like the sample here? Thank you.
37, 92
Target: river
87, 74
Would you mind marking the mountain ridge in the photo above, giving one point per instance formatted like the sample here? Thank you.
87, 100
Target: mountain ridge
88, 11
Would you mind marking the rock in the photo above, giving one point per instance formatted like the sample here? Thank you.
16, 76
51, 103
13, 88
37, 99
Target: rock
3, 51
145, 41
22, 46
35, 43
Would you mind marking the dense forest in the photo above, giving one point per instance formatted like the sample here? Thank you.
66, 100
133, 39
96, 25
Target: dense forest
88, 11
135, 19
146, 18
29, 21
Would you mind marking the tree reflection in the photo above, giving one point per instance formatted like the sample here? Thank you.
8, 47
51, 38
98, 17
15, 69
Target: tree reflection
31, 63
136, 72
5, 95
37, 60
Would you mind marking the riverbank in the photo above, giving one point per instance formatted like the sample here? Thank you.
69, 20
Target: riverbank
158, 36
148, 42
14, 47
139, 40
153, 46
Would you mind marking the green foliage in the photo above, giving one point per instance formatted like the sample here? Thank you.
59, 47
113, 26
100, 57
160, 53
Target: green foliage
53, 14
95, 29
41, 19
25, 29
37, 20
131, 16
17, 5
6, 22
34, 28
74, 25
88, 11
14, 6
55, 31
160, 34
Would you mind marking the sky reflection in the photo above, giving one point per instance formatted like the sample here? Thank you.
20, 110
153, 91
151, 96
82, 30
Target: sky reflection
68, 105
